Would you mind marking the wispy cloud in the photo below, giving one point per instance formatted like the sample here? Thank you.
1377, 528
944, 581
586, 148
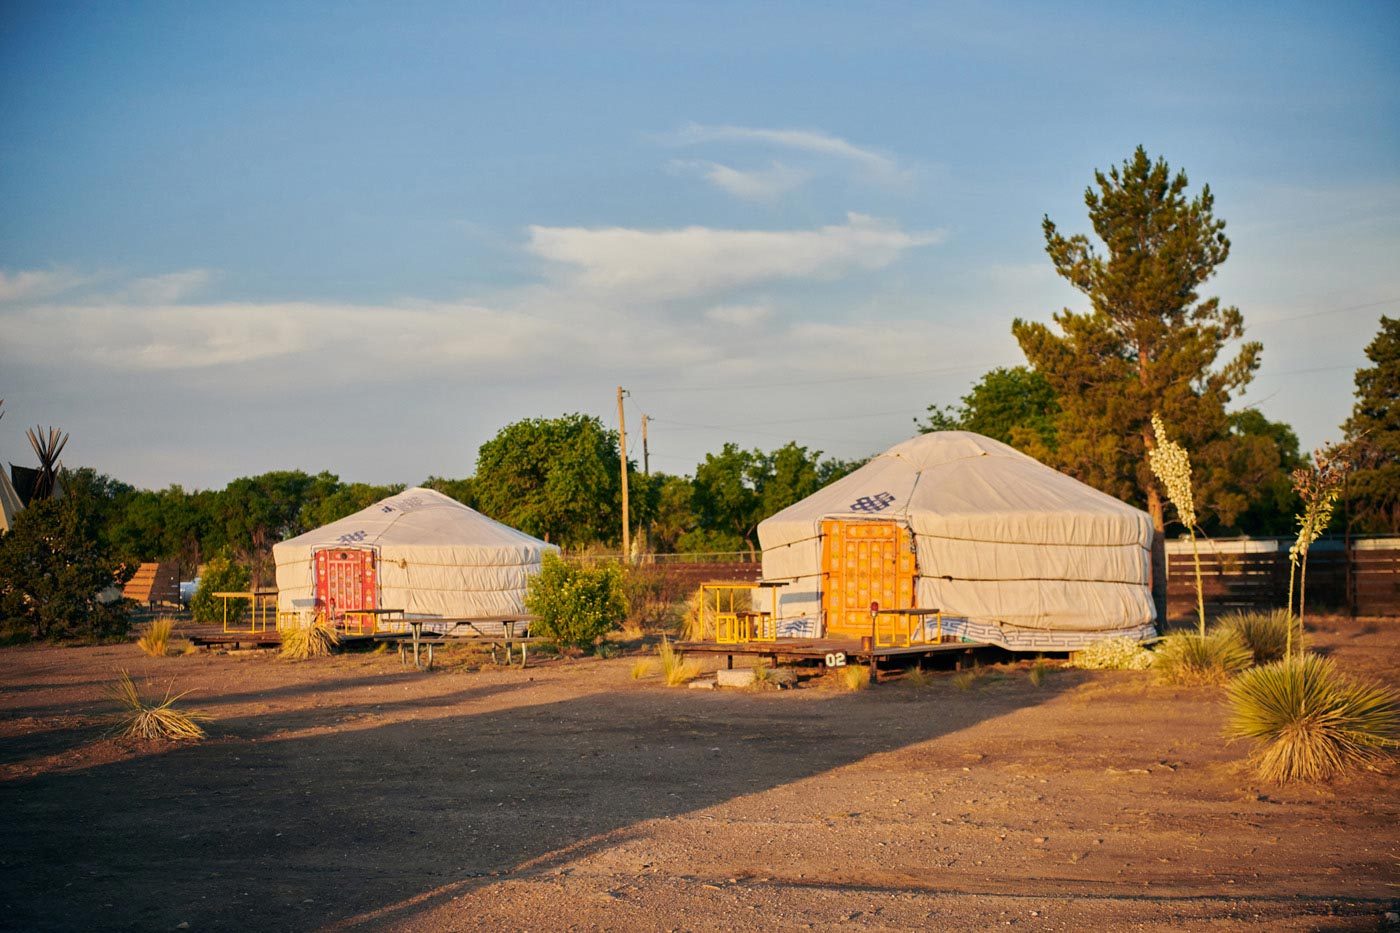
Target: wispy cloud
738, 315
872, 163
668, 264
36, 284
762, 184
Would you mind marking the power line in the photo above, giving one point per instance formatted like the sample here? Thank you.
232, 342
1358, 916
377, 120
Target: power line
1299, 317
815, 382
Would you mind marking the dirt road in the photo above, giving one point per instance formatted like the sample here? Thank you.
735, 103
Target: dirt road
347, 794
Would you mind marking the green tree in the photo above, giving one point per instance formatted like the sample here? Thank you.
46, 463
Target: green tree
56, 567
1273, 502
554, 478
1149, 341
220, 575
463, 490
1014, 405
347, 500
1373, 491
255, 512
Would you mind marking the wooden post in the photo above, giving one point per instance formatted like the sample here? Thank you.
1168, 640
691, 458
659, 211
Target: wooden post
644, 531
626, 516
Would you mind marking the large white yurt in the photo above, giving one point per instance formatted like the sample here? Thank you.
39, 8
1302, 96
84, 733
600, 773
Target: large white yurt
420, 552
1013, 552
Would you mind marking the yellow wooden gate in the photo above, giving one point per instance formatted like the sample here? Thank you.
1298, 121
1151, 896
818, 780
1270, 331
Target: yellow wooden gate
864, 562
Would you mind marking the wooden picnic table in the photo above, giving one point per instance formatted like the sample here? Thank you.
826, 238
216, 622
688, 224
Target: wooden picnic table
463, 630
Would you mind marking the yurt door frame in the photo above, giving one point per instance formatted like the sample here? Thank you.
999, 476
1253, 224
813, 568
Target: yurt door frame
864, 561
347, 579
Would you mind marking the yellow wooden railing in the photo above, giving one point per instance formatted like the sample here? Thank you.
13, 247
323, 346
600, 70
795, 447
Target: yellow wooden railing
905, 628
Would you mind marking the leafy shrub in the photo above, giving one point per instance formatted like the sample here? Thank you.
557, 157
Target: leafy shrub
674, 668
313, 641
574, 605
1113, 654
139, 719
155, 640
1183, 658
220, 575
1265, 633
1313, 720
655, 600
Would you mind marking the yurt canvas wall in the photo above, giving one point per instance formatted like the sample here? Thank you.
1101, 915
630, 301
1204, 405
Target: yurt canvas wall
1014, 552
427, 554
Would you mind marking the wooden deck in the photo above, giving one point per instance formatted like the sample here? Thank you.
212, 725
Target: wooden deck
849, 650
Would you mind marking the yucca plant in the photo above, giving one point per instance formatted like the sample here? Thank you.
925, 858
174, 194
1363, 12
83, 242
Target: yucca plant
1187, 658
315, 641
1318, 485
675, 670
1313, 721
854, 677
155, 639
1171, 464
139, 719
1266, 634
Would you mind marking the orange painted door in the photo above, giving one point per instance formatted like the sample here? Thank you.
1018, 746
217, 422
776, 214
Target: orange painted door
345, 580
864, 562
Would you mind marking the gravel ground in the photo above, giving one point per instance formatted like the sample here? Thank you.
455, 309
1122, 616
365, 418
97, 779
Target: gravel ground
346, 793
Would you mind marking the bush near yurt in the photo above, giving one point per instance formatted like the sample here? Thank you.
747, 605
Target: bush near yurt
220, 575
574, 605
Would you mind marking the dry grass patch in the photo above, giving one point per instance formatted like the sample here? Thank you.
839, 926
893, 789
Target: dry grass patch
643, 668
155, 638
301, 644
675, 670
139, 719
853, 677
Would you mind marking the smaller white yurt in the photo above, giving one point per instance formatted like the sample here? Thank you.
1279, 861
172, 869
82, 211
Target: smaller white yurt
420, 552
1013, 553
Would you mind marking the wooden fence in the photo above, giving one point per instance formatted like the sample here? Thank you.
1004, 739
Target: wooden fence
1360, 577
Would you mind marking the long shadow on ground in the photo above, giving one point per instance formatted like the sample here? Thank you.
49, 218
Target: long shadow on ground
295, 832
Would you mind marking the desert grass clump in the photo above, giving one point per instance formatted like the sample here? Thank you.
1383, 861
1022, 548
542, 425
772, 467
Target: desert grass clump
643, 668
853, 678
966, 680
301, 644
1187, 658
155, 639
1265, 633
675, 670
1314, 721
1038, 672
140, 719
917, 677
1113, 654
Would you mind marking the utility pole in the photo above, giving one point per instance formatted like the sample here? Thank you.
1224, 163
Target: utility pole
645, 531
626, 516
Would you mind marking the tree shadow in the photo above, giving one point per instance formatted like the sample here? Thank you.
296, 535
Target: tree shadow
375, 823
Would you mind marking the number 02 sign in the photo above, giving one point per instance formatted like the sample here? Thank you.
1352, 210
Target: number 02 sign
837, 659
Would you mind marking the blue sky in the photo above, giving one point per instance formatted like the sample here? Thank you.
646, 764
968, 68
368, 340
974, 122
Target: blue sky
363, 237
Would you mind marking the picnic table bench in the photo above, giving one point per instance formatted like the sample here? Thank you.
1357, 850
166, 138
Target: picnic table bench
458, 630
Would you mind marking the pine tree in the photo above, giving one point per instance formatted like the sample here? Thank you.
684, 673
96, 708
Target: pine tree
1149, 342
1373, 492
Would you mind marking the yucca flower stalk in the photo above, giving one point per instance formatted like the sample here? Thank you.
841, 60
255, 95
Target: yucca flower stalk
1171, 464
1319, 486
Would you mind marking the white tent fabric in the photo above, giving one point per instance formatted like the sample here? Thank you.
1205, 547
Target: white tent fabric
437, 558
1012, 551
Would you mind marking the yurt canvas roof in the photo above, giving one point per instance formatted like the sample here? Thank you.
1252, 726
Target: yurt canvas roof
422, 518
1001, 539
437, 557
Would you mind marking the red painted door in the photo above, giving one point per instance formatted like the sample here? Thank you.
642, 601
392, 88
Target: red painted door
345, 581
